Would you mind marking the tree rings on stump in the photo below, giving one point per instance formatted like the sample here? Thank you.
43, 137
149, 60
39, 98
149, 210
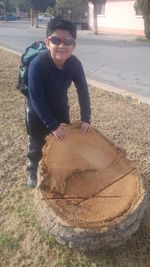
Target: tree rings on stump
89, 195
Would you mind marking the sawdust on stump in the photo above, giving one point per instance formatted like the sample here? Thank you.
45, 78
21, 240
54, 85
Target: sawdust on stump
88, 188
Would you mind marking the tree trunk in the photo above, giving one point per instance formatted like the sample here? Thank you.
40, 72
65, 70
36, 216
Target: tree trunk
36, 19
5, 9
95, 17
147, 25
32, 17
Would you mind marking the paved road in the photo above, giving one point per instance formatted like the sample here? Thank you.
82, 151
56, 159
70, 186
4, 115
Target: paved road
119, 61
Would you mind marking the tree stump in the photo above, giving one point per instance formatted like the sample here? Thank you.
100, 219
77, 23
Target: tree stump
89, 195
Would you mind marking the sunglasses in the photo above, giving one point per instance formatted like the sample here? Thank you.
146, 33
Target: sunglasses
57, 41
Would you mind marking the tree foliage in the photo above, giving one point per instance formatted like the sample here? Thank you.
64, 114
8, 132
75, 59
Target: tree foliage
41, 5
9, 6
34, 6
71, 9
25, 5
96, 1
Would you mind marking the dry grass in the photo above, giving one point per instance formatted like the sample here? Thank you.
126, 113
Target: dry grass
22, 240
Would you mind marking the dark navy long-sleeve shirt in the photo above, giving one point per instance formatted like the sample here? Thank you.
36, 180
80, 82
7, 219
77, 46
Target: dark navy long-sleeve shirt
50, 97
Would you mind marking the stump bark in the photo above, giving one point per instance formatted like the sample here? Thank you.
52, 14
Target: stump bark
89, 195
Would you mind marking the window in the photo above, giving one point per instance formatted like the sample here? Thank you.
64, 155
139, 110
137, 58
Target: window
101, 9
138, 12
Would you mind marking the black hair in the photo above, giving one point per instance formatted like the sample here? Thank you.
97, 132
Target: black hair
61, 24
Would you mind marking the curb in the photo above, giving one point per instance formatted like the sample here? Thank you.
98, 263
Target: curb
10, 50
100, 85
110, 88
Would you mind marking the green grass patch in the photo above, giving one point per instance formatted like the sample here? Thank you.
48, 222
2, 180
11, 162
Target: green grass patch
8, 241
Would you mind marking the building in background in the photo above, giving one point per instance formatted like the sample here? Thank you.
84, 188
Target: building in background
118, 16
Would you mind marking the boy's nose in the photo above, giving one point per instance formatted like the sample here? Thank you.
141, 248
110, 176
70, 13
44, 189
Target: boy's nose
61, 44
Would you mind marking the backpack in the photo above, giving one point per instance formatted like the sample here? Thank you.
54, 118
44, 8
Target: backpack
31, 52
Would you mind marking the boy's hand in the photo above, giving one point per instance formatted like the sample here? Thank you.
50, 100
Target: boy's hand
85, 127
60, 132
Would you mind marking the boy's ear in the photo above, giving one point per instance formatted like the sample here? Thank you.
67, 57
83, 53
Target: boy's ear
47, 43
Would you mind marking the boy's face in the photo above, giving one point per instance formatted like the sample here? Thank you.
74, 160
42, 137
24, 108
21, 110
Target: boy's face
61, 45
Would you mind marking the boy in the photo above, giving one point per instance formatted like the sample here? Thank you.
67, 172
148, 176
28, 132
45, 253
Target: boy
47, 108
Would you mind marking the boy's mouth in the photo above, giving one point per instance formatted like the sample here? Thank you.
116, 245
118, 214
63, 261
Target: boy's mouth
61, 51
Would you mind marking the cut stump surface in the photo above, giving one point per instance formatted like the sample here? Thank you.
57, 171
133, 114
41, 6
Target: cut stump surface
89, 194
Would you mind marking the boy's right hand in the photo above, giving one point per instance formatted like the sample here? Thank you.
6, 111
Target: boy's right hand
60, 132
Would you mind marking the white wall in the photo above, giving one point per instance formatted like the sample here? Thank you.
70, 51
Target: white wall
119, 14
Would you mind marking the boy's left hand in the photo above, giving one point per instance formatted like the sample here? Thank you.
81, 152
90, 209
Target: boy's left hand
85, 127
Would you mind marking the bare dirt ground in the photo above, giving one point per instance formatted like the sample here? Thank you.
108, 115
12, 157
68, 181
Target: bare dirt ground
23, 242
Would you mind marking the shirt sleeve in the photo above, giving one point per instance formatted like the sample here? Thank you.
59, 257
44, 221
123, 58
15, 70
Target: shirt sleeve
37, 97
80, 83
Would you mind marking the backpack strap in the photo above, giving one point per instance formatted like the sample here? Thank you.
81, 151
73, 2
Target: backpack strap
45, 63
